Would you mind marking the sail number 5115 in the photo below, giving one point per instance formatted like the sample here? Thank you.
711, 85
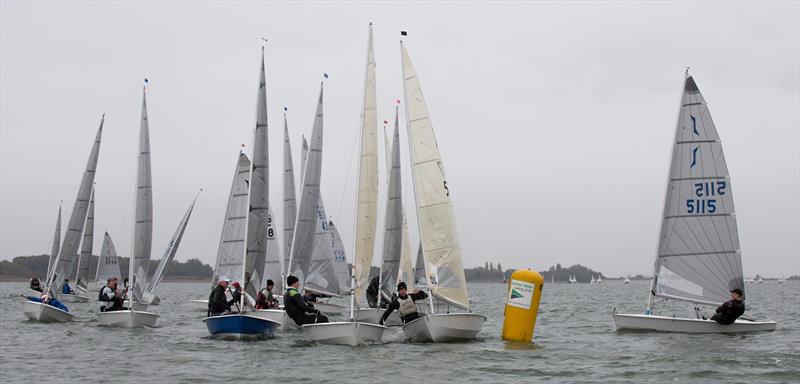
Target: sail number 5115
701, 203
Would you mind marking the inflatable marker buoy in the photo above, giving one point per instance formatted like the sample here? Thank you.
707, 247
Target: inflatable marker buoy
522, 306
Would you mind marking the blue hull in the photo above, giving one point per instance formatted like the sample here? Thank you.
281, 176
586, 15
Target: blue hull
240, 327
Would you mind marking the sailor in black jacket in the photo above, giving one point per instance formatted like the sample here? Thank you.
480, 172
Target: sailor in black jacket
297, 308
728, 312
217, 301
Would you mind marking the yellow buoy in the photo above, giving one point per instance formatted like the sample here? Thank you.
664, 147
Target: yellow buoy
524, 293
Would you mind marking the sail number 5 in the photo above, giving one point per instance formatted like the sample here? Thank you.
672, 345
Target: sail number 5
700, 202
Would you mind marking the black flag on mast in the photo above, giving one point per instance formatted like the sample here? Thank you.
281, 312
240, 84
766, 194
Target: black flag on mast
403, 33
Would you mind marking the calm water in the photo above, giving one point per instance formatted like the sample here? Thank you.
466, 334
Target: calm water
574, 342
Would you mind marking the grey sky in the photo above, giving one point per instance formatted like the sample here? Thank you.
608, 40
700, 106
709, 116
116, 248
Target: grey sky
554, 120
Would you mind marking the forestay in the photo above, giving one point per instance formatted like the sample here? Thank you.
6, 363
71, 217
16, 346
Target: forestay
698, 253
143, 225
393, 232
87, 246
169, 253
367, 199
259, 195
230, 254
303, 240
107, 265
72, 238
437, 225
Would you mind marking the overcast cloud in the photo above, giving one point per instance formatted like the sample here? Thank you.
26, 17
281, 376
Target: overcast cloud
555, 120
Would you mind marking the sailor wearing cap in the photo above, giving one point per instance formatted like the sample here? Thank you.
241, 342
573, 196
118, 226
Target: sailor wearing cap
728, 312
217, 301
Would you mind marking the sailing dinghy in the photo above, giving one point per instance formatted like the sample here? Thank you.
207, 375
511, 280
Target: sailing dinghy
698, 259
353, 332
38, 311
437, 225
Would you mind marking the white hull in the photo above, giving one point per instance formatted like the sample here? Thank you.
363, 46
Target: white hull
136, 306
73, 298
344, 332
199, 305
127, 319
440, 328
277, 315
45, 313
677, 324
329, 308
373, 315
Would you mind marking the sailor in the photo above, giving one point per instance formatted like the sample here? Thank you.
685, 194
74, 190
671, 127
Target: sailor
236, 295
372, 294
404, 304
217, 301
729, 311
110, 298
297, 308
265, 299
47, 299
36, 285
66, 290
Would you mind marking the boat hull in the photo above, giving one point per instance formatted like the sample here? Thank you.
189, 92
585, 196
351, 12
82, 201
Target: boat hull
351, 333
677, 324
329, 308
73, 298
277, 315
373, 315
442, 328
199, 305
137, 306
240, 327
127, 319
45, 313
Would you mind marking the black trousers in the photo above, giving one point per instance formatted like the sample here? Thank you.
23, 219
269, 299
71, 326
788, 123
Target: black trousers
307, 318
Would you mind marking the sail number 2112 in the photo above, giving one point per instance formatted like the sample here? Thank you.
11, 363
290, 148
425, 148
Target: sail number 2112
702, 201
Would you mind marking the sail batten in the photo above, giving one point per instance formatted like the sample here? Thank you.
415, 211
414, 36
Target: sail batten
698, 257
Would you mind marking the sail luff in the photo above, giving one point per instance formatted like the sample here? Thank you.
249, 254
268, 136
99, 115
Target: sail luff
302, 243
289, 200
172, 249
367, 196
77, 218
56, 243
438, 231
87, 246
143, 224
698, 258
258, 215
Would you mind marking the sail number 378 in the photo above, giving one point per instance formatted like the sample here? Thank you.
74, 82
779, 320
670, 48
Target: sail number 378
703, 200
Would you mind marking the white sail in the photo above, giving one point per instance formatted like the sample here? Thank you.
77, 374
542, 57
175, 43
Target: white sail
420, 279
698, 253
303, 240
169, 253
289, 200
230, 255
272, 265
56, 243
107, 265
143, 224
258, 211
87, 246
437, 224
393, 228
367, 200
77, 218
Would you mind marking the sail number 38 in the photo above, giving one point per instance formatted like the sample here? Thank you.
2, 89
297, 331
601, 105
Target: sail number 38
704, 200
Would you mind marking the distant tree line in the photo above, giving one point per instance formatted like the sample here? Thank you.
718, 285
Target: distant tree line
26, 266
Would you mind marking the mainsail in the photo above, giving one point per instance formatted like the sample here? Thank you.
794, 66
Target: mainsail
258, 211
406, 273
107, 265
169, 253
72, 238
393, 232
87, 246
323, 275
230, 255
698, 253
367, 199
143, 225
303, 240
56, 243
289, 201
437, 224
272, 265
